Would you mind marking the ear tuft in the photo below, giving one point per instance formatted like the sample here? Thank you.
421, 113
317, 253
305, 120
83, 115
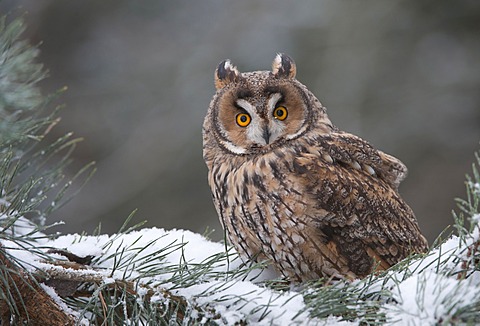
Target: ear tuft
225, 74
284, 67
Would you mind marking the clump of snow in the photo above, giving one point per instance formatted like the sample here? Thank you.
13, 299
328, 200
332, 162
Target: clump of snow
429, 298
433, 289
79, 245
476, 187
260, 304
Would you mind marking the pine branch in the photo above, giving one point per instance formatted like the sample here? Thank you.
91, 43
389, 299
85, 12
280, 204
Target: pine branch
31, 180
27, 299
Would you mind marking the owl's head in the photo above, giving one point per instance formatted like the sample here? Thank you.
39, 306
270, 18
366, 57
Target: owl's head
257, 111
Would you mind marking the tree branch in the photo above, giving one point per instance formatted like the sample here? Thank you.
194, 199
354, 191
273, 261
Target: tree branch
24, 299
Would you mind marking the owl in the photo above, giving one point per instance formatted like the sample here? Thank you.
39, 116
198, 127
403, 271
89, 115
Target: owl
291, 188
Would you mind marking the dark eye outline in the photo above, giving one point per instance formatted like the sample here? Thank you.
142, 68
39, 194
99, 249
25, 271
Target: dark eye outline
241, 123
281, 109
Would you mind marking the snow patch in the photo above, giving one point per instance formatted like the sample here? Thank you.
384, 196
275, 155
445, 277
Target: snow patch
429, 299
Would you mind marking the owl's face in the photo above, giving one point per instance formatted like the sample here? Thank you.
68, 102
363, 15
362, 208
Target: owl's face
257, 111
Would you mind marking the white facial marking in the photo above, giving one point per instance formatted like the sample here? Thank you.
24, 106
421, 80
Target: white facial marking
247, 106
272, 101
275, 126
233, 148
298, 133
255, 128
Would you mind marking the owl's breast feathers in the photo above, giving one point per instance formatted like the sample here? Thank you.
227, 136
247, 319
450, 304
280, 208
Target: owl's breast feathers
323, 206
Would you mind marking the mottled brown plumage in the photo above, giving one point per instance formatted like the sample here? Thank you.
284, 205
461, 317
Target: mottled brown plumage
291, 188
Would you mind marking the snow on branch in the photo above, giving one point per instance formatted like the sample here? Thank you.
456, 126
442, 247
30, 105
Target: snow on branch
161, 276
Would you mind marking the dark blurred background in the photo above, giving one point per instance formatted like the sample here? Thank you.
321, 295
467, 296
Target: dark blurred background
404, 75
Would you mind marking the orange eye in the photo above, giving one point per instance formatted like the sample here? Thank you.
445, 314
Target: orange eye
280, 113
243, 119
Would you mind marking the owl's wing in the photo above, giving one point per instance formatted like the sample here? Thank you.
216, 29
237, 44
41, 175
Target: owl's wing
354, 151
358, 213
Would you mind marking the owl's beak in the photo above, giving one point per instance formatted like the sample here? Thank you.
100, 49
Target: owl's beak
266, 135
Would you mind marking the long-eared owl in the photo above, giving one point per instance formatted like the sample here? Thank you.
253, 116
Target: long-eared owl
291, 188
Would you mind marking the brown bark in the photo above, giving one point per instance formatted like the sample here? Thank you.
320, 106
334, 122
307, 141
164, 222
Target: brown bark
35, 307
25, 300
